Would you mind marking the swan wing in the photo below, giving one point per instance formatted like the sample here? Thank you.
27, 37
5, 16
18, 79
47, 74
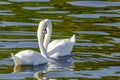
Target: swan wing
62, 47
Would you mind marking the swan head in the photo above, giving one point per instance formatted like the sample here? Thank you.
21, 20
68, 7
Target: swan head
48, 26
45, 26
45, 30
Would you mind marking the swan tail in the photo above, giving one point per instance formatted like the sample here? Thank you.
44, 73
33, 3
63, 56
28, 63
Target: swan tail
73, 38
16, 59
12, 55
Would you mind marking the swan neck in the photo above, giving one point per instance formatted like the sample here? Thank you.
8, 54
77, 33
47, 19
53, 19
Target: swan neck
42, 49
40, 39
48, 35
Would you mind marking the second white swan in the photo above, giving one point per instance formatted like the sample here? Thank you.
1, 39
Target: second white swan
57, 48
30, 57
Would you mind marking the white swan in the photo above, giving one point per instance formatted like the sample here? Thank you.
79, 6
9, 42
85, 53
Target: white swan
29, 57
57, 48
54, 49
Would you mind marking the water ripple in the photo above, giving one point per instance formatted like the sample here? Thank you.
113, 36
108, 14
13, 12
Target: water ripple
5, 11
92, 44
17, 40
53, 20
53, 12
37, 8
117, 24
77, 21
4, 24
18, 45
29, 0
91, 59
94, 3
93, 15
91, 32
16, 76
111, 71
114, 39
118, 10
101, 57
6, 14
5, 3
18, 33
115, 54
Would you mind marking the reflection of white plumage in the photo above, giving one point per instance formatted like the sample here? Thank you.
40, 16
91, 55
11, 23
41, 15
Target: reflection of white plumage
54, 49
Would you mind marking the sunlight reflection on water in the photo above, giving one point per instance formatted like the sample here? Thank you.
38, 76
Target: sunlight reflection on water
37, 8
93, 15
91, 32
94, 3
4, 3
4, 23
108, 24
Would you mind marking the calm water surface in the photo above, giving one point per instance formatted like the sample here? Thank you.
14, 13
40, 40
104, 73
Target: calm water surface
96, 24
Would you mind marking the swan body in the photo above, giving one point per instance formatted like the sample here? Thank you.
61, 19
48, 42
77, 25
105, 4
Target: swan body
59, 48
30, 57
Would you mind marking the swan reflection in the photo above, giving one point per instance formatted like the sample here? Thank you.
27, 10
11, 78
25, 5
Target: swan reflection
30, 68
61, 64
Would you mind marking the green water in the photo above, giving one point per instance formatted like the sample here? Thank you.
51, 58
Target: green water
96, 24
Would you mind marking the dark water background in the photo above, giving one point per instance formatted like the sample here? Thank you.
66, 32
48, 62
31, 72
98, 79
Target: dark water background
96, 23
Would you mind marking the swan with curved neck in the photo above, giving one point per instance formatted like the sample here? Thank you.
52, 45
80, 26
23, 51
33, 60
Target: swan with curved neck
30, 57
57, 48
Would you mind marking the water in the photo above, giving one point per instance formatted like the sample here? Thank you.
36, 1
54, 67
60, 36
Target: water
96, 54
